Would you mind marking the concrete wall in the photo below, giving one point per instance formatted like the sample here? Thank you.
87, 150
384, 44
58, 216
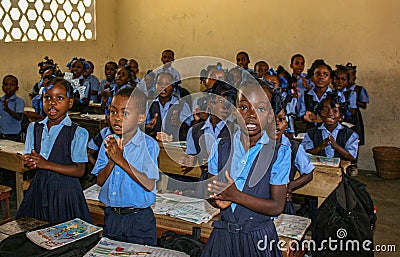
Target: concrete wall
365, 32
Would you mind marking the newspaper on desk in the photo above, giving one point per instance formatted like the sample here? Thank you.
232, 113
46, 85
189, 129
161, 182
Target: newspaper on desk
94, 116
12, 146
324, 161
92, 193
185, 208
291, 226
108, 247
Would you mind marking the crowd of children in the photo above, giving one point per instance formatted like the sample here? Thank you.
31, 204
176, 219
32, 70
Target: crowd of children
239, 130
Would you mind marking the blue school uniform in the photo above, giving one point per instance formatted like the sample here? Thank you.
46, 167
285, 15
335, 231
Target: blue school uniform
96, 142
360, 95
94, 86
239, 230
51, 195
344, 136
164, 116
128, 216
8, 124
176, 76
299, 162
311, 101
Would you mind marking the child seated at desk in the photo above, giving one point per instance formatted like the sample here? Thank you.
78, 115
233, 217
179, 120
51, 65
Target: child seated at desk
332, 139
127, 171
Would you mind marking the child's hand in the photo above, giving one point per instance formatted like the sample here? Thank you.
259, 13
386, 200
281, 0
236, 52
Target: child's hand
164, 137
153, 122
332, 141
114, 149
34, 160
5, 105
223, 193
310, 117
175, 119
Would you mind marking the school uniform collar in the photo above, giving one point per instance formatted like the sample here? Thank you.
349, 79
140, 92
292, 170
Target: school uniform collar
312, 91
137, 139
208, 123
66, 121
173, 100
285, 141
264, 140
14, 96
338, 127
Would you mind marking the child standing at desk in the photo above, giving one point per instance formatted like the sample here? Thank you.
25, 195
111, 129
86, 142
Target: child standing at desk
11, 110
126, 168
332, 139
256, 190
56, 148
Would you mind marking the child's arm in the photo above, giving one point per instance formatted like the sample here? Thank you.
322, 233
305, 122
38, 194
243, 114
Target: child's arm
91, 156
35, 160
15, 115
115, 152
343, 152
229, 193
304, 166
318, 148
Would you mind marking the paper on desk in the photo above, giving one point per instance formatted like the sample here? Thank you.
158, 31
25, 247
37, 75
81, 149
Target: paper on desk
324, 161
108, 247
300, 136
12, 146
20, 225
291, 226
185, 208
92, 193
94, 116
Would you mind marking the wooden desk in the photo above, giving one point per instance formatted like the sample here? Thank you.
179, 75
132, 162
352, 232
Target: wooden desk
325, 180
93, 123
169, 158
12, 161
95, 108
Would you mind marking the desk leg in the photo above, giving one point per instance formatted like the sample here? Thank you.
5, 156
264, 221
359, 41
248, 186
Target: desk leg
19, 180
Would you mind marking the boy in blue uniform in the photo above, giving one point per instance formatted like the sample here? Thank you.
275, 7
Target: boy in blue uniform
256, 172
332, 139
11, 110
127, 170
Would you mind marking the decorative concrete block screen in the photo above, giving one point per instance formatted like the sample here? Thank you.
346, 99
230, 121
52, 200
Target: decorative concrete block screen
47, 20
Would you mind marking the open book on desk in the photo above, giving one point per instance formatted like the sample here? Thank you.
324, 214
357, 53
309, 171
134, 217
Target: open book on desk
324, 161
108, 247
62, 234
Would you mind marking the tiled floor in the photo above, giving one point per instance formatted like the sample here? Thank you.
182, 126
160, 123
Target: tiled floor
386, 196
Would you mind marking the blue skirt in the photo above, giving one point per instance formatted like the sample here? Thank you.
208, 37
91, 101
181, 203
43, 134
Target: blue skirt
262, 242
54, 197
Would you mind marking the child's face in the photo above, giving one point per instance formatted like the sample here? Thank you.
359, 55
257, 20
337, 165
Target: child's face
242, 61
164, 87
56, 103
134, 66
89, 71
330, 116
274, 79
254, 108
237, 77
47, 74
10, 86
297, 65
122, 77
123, 113
341, 80
214, 75
220, 107
167, 57
110, 71
353, 76
122, 63
280, 125
261, 69
77, 68
322, 76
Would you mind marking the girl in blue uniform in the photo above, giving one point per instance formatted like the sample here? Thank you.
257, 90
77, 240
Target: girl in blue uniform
56, 148
254, 190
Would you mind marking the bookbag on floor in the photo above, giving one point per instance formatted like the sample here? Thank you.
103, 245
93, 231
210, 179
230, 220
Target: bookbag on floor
343, 224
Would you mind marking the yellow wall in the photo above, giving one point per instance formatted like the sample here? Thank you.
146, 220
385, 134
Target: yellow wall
365, 32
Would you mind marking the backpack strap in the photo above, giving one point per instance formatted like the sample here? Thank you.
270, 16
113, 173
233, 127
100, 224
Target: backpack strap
294, 146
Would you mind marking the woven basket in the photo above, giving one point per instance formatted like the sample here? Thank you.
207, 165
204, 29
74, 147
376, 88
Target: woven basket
387, 161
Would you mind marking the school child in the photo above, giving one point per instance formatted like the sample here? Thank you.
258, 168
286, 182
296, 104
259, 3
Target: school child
11, 110
56, 148
341, 80
122, 62
167, 57
254, 190
168, 118
135, 70
361, 102
332, 139
81, 86
261, 68
127, 171
299, 160
110, 69
147, 85
297, 63
93, 81
243, 60
202, 136
122, 80
322, 78
43, 65
236, 76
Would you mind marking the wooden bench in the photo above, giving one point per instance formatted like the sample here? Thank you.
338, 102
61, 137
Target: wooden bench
5, 192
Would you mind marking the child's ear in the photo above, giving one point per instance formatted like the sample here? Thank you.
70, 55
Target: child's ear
141, 118
71, 102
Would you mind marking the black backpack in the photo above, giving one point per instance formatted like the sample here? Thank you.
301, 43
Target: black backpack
347, 216
189, 244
